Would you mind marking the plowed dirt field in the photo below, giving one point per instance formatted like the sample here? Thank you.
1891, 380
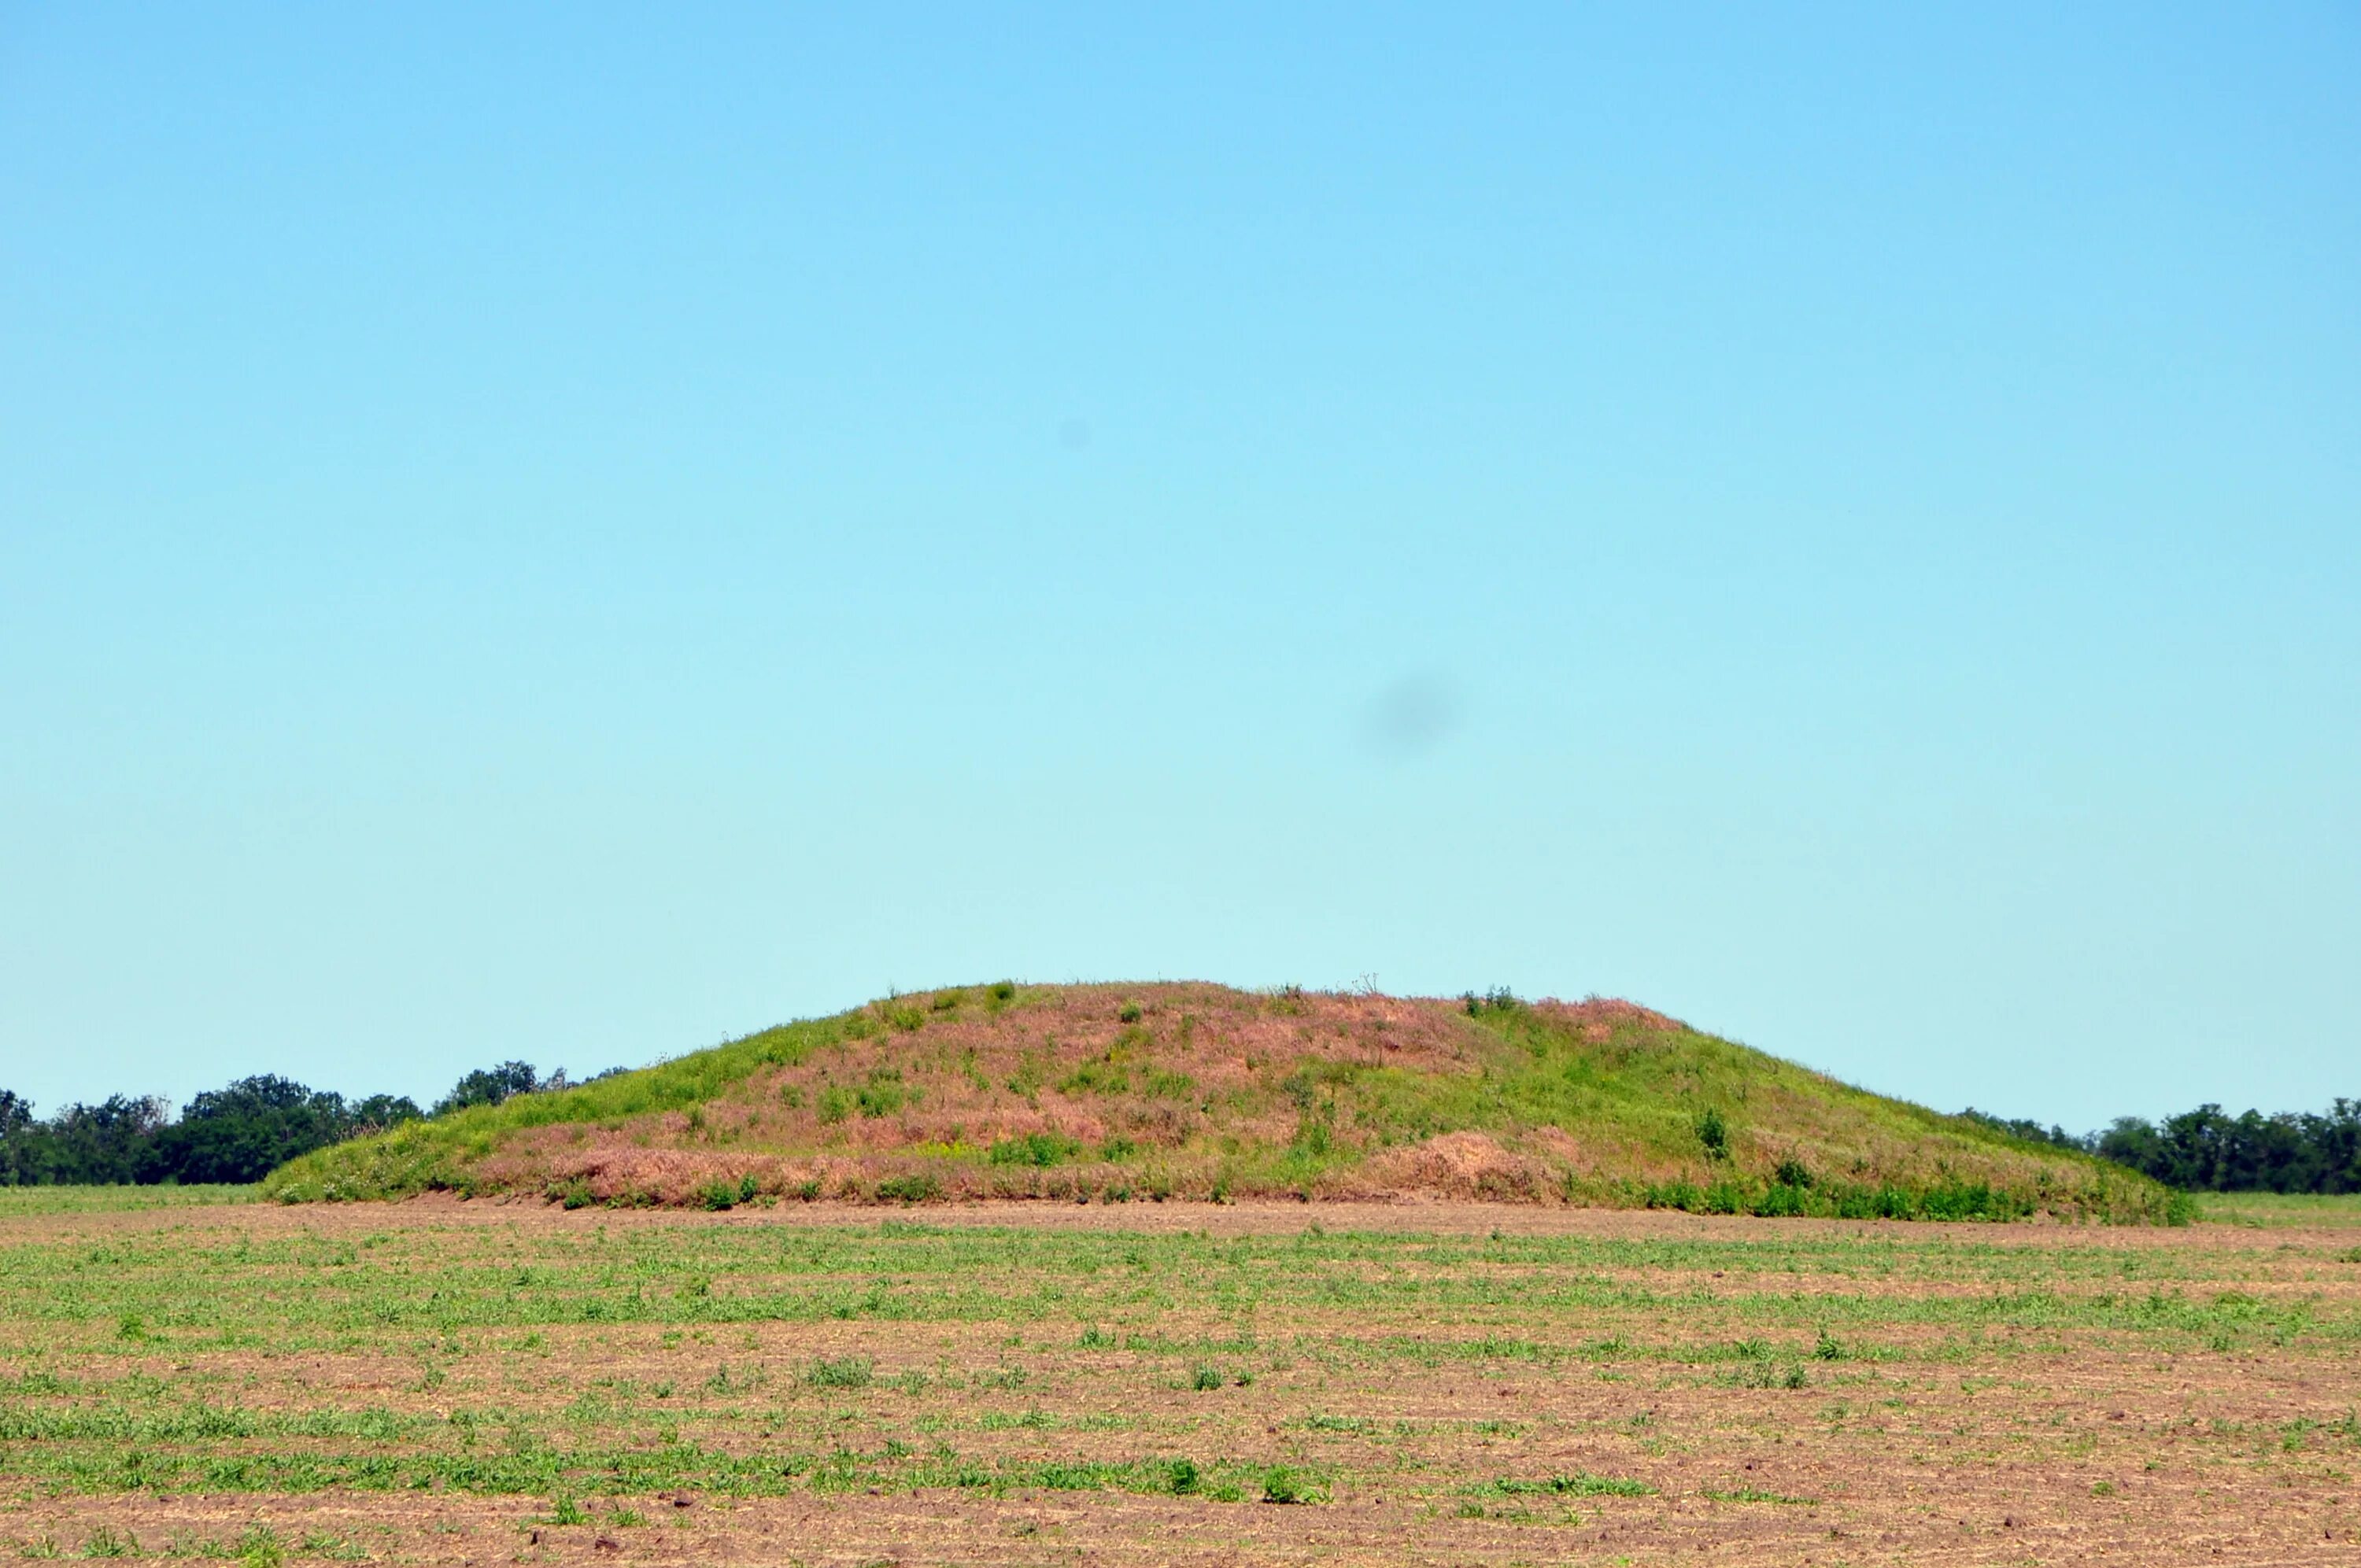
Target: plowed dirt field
448, 1382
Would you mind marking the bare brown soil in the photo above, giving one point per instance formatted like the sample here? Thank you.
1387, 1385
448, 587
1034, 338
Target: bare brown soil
2046, 1437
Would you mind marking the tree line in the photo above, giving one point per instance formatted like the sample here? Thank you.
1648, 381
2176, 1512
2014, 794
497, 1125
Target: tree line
2209, 1150
239, 1133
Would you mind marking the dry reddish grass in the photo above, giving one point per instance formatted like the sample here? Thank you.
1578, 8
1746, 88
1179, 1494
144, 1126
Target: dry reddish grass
1209, 1088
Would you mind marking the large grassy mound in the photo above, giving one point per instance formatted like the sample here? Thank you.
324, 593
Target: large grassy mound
1131, 1093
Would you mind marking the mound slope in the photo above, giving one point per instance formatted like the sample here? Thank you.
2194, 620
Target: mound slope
1144, 1092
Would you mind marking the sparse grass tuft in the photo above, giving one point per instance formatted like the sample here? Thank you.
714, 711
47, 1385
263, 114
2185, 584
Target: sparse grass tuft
1284, 1484
846, 1372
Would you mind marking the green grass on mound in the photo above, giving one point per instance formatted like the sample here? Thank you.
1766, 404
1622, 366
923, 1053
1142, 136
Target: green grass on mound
1117, 1094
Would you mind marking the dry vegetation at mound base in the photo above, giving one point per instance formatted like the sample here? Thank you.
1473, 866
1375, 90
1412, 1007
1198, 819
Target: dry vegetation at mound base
1116, 1094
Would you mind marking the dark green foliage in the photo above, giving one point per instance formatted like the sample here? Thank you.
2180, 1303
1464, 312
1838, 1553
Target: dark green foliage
915, 1187
246, 1131
1736, 1194
237, 1133
19, 1163
1033, 1148
723, 1193
1713, 1133
2030, 1131
2209, 1150
490, 1086
103, 1143
1499, 999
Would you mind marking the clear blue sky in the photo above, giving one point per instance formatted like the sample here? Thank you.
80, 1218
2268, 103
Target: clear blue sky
574, 534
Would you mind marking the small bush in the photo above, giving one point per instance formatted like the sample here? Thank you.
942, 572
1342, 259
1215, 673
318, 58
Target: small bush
717, 1194
835, 1105
1184, 1477
884, 1094
915, 1186
1791, 1173
1205, 1379
1675, 1195
1726, 1197
1004, 991
1828, 1348
1128, 1012
1042, 1149
1713, 1133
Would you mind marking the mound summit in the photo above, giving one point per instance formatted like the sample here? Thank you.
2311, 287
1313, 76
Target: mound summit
1111, 1094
